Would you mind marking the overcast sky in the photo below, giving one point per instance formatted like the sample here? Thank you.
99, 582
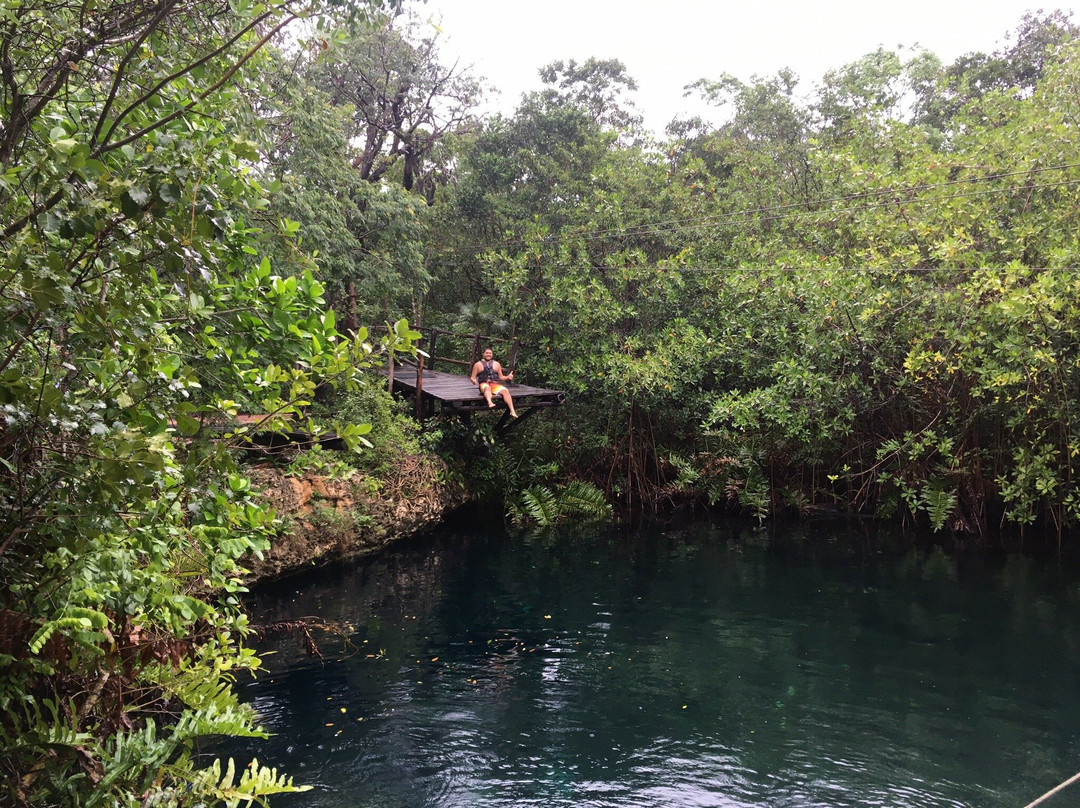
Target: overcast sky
666, 44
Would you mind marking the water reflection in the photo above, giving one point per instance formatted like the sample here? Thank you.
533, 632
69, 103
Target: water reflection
707, 667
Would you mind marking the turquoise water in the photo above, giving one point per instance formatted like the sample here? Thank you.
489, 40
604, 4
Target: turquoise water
712, 666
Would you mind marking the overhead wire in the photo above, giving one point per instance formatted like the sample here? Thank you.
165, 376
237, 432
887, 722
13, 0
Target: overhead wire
782, 211
797, 210
806, 214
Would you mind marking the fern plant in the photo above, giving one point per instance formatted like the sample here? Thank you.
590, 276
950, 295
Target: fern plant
939, 505
542, 506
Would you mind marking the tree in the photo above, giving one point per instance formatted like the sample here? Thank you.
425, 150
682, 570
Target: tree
403, 101
544, 160
367, 236
799, 311
865, 314
1017, 67
567, 212
767, 135
138, 317
359, 119
598, 86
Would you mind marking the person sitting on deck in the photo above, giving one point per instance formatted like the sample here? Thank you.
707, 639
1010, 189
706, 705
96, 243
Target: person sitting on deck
488, 373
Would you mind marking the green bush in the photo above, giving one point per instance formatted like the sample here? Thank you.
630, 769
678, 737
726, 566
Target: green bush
394, 432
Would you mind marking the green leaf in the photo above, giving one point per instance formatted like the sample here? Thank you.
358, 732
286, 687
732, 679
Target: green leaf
130, 207
65, 145
168, 193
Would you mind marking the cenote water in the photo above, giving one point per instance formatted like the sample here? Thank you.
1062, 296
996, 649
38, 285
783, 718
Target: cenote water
713, 666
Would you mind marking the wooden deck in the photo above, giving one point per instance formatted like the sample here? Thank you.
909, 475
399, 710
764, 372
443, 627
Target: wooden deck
439, 393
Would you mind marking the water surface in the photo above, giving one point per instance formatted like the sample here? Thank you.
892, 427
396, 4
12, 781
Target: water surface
713, 666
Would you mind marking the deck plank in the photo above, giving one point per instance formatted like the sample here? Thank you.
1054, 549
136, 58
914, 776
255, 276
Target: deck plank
452, 391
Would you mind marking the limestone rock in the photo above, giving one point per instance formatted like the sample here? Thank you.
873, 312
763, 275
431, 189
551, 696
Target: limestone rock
326, 520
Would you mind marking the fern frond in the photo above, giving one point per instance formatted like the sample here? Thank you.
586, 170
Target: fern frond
148, 758
515, 512
42, 726
130, 757
540, 504
938, 504
579, 498
202, 693
543, 507
237, 720
255, 785
81, 624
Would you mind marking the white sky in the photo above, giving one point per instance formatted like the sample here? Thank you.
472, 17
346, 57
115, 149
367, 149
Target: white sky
666, 45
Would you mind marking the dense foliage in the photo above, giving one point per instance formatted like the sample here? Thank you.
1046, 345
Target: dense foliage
140, 314
861, 301
864, 301
359, 122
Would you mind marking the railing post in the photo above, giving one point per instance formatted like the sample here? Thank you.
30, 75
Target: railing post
513, 353
431, 346
420, 389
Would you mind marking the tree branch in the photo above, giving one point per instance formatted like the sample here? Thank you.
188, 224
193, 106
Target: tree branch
156, 89
121, 68
202, 96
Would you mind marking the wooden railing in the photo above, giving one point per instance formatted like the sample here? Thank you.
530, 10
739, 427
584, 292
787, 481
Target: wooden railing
452, 346
475, 344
